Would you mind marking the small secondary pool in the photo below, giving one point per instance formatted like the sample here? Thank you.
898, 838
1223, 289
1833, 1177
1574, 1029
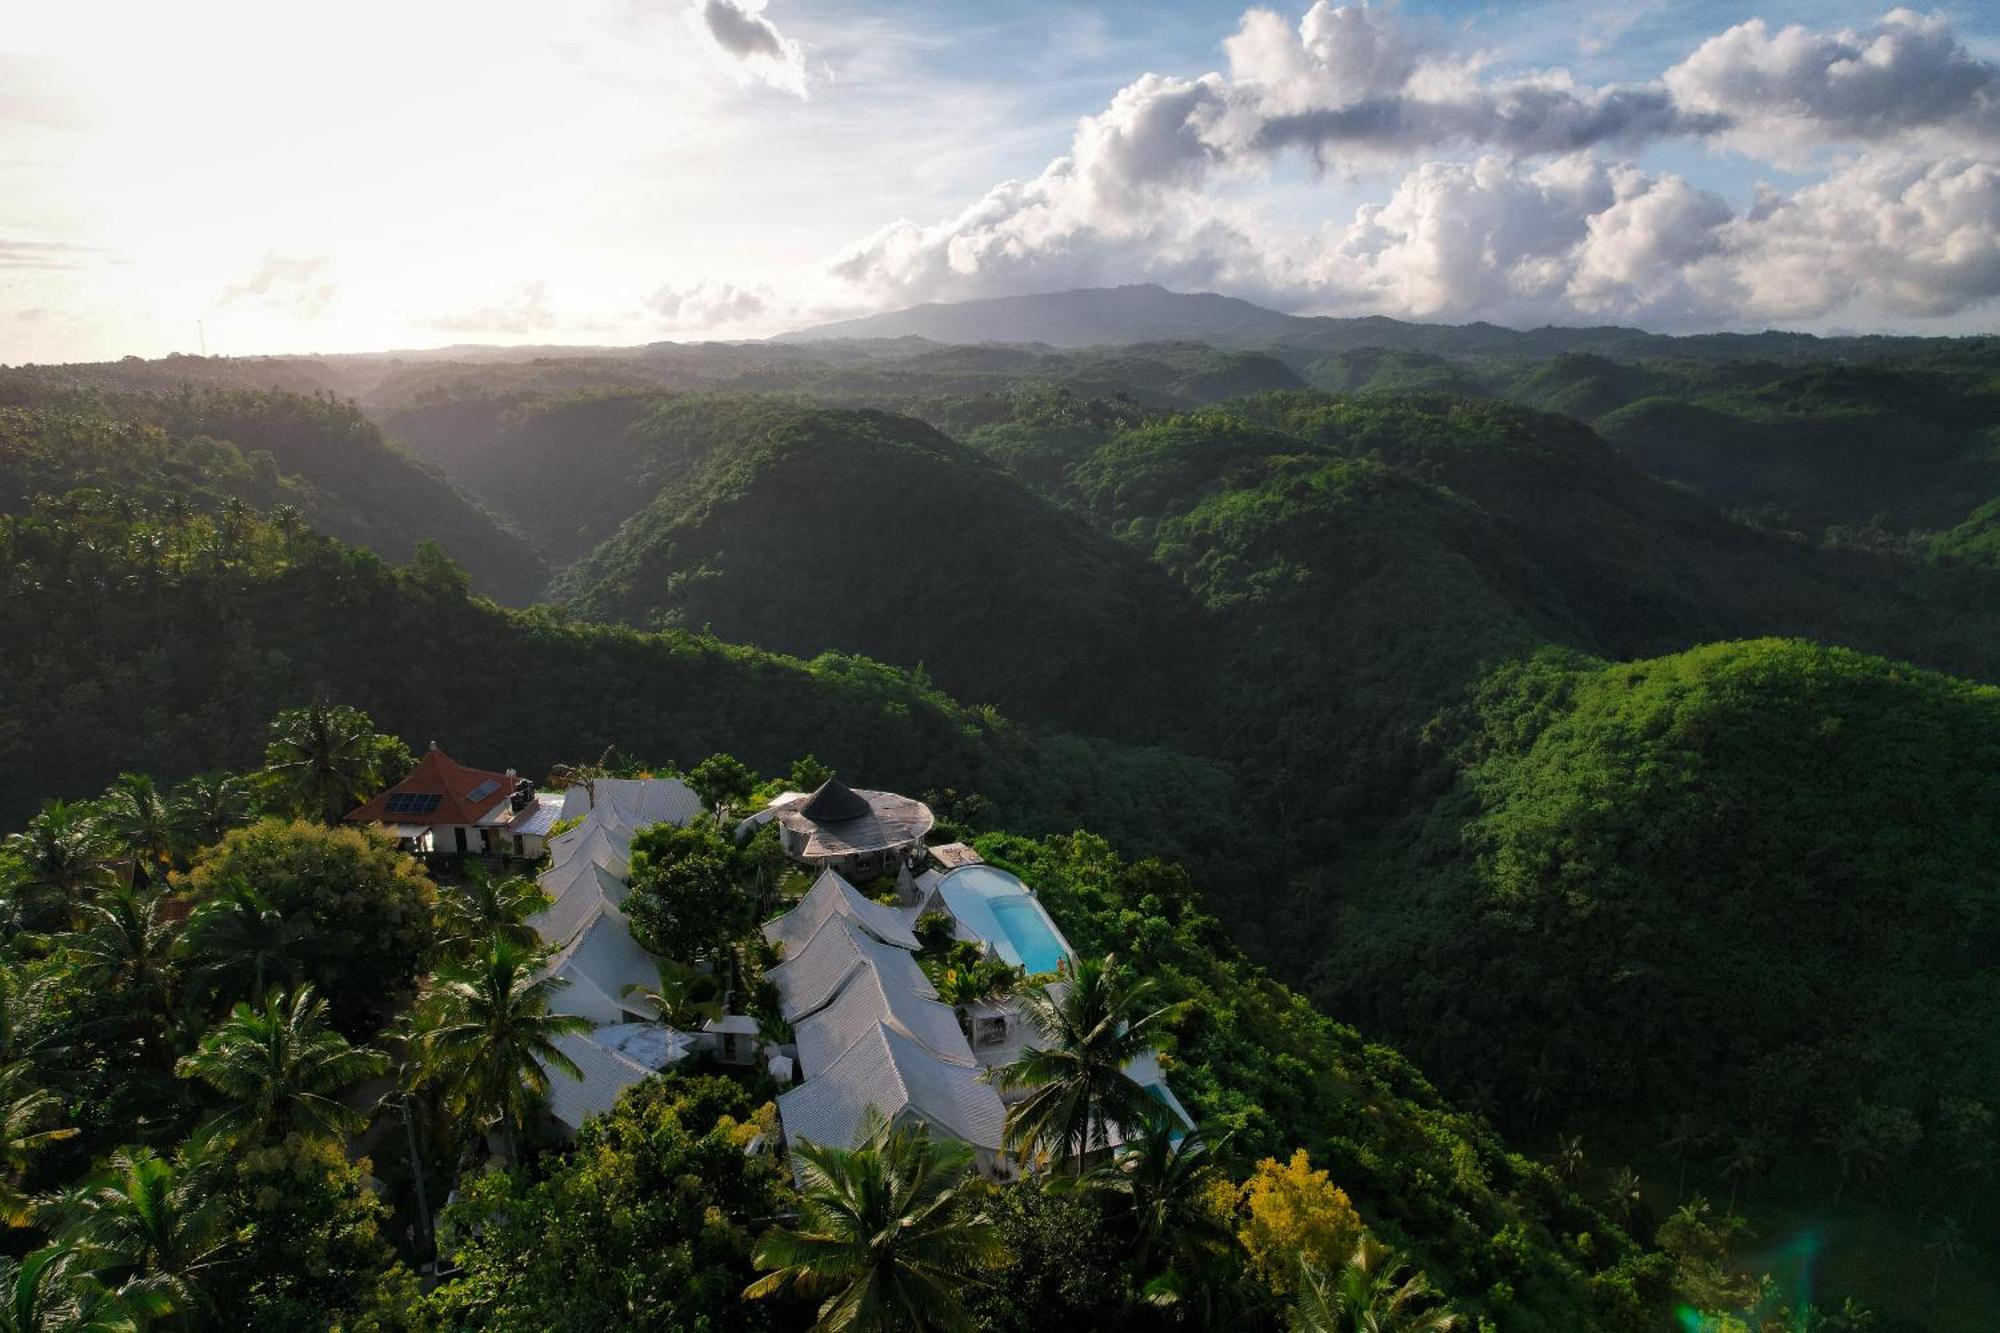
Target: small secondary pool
998, 908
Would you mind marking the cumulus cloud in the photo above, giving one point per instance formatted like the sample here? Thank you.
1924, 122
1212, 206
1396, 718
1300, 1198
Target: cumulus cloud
750, 44
1536, 226
525, 310
297, 284
1790, 89
20, 253
708, 305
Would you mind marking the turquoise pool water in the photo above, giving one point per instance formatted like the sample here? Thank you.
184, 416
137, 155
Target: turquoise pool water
999, 909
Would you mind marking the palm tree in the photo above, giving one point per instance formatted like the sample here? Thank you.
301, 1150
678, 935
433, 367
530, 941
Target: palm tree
157, 1222
1626, 1193
25, 1112
239, 938
1748, 1156
62, 854
49, 1291
125, 946
136, 815
280, 1067
1569, 1157
673, 998
1944, 1246
323, 759
1372, 1293
887, 1232
1091, 1025
1159, 1181
206, 806
490, 1035
488, 905
1689, 1133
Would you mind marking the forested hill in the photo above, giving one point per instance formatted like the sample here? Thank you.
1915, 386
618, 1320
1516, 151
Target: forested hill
262, 448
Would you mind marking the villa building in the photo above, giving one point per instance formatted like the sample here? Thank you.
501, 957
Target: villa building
444, 808
859, 833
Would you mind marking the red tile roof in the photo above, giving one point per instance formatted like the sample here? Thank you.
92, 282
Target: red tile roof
438, 774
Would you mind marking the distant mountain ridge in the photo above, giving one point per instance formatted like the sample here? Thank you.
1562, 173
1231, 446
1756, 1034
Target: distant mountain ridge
1147, 312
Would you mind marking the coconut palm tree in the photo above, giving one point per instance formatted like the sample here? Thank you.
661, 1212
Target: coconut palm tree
1569, 1156
155, 1223
136, 815
1158, 1182
1372, 1293
206, 806
889, 1233
486, 905
125, 946
323, 759
279, 1068
25, 1113
52, 1291
1090, 1025
1626, 1193
239, 941
673, 997
62, 854
490, 1036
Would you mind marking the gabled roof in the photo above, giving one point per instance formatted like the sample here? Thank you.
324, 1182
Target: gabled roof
601, 838
812, 977
599, 963
464, 795
833, 802
830, 895
866, 1002
636, 802
605, 1074
887, 1070
581, 893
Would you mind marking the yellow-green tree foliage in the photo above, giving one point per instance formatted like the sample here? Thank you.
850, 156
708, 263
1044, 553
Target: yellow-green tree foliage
1292, 1212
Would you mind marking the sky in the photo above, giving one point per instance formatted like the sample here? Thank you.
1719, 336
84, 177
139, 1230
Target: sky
257, 178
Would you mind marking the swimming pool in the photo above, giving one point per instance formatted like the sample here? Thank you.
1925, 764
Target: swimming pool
998, 908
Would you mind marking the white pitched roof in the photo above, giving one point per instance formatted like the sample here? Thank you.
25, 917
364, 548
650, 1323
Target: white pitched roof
599, 838
636, 802
831, 894
537, 817
598, 965
573, 897
605, 1074
866, 1002
814, 975
885, 1069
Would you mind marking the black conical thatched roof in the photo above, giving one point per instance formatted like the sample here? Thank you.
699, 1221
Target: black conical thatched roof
833, 802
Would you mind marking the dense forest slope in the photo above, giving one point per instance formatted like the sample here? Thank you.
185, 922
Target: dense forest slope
1746, 890
862, 532
260, 447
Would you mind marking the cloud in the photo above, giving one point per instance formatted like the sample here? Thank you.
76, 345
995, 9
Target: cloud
16, 253
1791, 89
1536, 226
750, 44
708, 305
525, 310
297, 284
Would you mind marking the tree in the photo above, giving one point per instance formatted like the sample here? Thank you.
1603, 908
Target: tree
325, 759
1089, 1027
25, 1113
672, 996
486, 906
136, 815
1293, 1213
646, 1225
367, 907
489, 1036
241, 943
206, 806
809, 774
1569, 1155
61, 855
156, 1226
721, 779
1625, 1194
1373, 1292
689, 898
279, 1068
1163, 1184
53, 1291
1946, 1240
126, 948
889, 1233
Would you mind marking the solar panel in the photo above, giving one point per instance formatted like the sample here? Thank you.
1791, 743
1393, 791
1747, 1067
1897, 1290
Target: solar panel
413, 802
483, 790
